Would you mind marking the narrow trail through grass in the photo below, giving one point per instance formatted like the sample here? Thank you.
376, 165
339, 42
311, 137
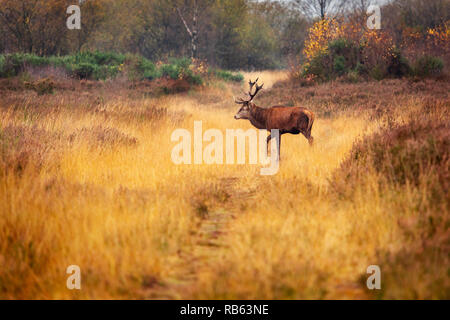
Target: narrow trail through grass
216, 238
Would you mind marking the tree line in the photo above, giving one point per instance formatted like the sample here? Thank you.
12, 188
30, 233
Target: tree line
231, 34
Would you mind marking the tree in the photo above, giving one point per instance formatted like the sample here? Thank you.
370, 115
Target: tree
229, 18
193, 29
93, 14
320, 8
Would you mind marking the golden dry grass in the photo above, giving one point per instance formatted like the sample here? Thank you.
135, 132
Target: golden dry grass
107, 197
269, 77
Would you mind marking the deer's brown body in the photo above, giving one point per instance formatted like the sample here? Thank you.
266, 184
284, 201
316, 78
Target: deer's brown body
293, 120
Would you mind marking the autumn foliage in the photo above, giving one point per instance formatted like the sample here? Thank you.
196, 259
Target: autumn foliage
338, 47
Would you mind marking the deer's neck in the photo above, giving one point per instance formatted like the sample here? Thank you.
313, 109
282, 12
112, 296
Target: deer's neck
258, 117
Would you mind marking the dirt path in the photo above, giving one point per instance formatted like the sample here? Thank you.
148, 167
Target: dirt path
208, 245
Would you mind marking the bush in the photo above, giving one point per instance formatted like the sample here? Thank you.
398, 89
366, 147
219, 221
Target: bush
2, 64
98, 58
398, 65
361, 69
428, 66
12, 65
377, 72
180, 69
148, 69
227, 75
84, 70
352, 76
170, 70
402, 153
319, 66
102, 66
339, 65
105, 72
42, 86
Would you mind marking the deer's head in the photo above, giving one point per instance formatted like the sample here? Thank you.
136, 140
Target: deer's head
244, 111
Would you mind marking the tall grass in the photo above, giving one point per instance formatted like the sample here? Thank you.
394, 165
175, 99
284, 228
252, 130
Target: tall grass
87, 179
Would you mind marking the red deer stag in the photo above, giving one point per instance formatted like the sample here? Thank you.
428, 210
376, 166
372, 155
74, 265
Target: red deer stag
292, 120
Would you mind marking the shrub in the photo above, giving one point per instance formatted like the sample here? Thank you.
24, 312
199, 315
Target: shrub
428, 66
403, 154
352, 76
98, 58
170, 70
361, 69
398, 64
377, 72
320, 66
42, 86
339, 65
108, 58
180, 69
2, 64
84, 70
12, 65
227, 75
105, 72
102, 66
148, 69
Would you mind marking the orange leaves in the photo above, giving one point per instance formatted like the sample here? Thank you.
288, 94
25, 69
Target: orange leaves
320, 34
377, 42
440, 37
378, 47
199, 66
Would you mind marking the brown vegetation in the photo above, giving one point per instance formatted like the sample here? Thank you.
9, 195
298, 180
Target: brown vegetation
86, 178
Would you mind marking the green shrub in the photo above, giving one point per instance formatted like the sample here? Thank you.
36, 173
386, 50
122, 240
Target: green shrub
179, 68
84, 70
148, 69
377, 73
227, 75
428, 66
195, 79
319, 66
398, 65
12, 65
344, 56
2, 64
170, 70
105, 72
361, 69
108, 58
341, 47
98, 58
339, 65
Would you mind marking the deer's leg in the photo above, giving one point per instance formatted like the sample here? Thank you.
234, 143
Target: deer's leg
309, 137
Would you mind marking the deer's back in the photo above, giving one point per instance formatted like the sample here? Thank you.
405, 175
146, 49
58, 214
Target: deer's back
288, 118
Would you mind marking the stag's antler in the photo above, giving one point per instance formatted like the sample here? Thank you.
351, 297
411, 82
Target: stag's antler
252, 84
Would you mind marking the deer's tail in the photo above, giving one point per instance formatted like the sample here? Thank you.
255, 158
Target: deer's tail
310, 121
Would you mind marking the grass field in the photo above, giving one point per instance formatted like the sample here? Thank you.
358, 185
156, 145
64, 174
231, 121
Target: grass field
86, 179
